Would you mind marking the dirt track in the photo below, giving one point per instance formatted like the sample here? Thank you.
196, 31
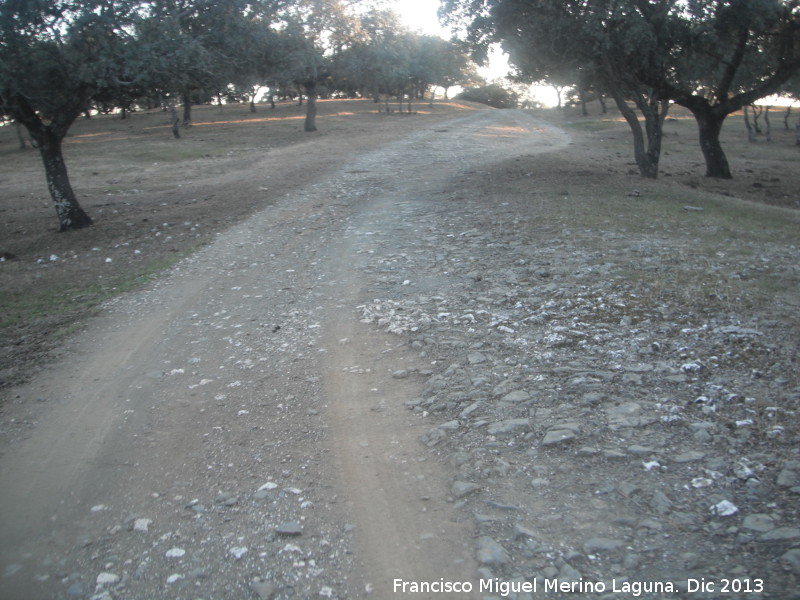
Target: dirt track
240, 404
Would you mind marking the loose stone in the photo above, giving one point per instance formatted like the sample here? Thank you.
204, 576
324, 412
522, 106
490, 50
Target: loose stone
461, 489
508, 426
490, 552
780, 534
601, 544
559, 436
516, 396
759, 522
289, 528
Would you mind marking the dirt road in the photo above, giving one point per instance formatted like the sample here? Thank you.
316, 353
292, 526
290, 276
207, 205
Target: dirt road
235, 431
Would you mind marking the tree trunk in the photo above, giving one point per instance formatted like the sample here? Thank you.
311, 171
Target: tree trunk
253, 103
311, 107
768, 124
557, 89
756, 113
751, 137
48, 138
176, 122
21, 137
647, 155
187, 111
70, 214
786, 117
603, 107
582, 98
709, 126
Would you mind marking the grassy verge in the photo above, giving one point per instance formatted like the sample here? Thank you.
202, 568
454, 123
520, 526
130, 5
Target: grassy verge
21, 308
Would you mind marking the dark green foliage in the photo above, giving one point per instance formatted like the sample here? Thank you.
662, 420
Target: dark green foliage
494, 95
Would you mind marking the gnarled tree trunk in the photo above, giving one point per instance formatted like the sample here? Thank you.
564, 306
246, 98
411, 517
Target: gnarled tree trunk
48, 138
709, 125
69, 212
646, 153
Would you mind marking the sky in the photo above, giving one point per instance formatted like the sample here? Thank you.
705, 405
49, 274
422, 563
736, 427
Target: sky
420, 15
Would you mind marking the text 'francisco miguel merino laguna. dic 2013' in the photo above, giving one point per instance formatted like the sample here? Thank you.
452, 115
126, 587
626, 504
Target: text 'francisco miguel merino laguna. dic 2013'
504, 588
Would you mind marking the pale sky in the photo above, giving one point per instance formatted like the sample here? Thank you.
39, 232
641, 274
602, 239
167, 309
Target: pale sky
420, 15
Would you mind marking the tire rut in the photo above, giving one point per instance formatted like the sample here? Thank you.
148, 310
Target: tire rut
408, 528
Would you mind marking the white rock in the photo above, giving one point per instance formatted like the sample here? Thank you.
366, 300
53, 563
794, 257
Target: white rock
701, 482
106, 578
141, 524
726, 508
175, 553
238, 552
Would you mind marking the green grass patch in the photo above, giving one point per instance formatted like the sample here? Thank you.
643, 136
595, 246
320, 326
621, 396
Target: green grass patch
57, 303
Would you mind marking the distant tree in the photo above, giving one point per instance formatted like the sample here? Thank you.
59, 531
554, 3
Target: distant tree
302, 63
384, 57
377, 59
193, 50
443, 63
315, 32
57, 58
493, 95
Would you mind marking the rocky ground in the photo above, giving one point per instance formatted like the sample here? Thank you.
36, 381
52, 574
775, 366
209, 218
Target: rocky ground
599, 429
537, 380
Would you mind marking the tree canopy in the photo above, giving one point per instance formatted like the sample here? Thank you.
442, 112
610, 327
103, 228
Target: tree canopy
56, 58
60, 58
711, 56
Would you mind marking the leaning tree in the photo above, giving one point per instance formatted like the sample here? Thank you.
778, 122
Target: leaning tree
56, 59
